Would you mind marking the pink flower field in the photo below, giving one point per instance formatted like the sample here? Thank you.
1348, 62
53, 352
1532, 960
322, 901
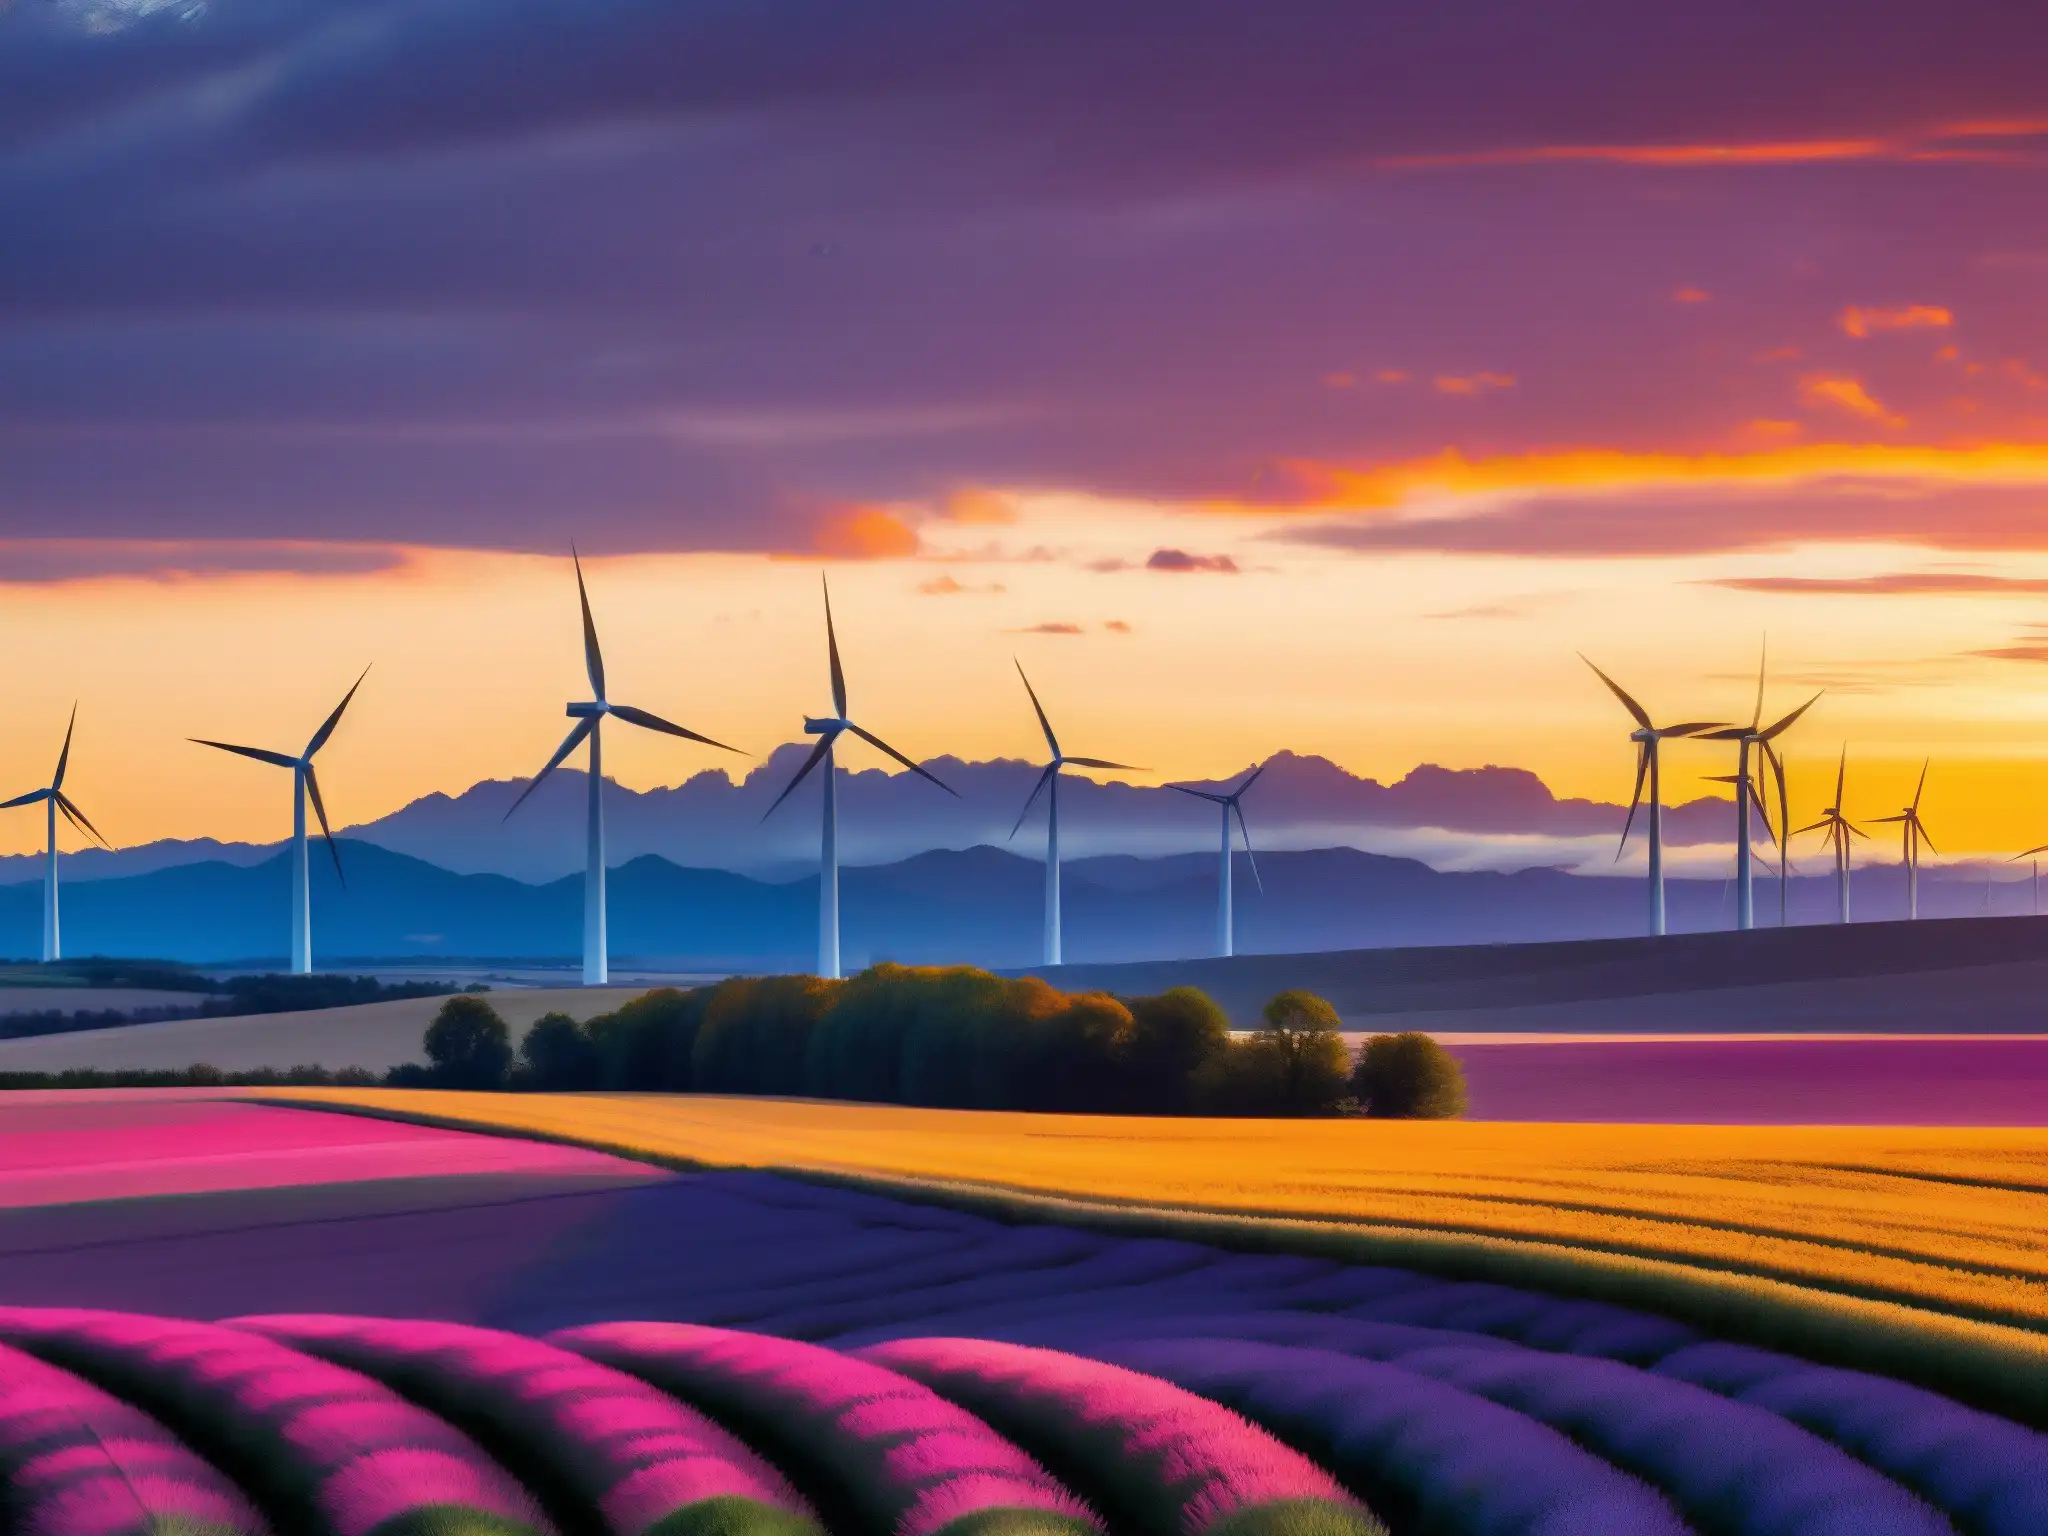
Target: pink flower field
63, 1147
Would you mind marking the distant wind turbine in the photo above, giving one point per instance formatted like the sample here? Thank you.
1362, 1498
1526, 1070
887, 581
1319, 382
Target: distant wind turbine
589, 717
1913, 832
1648, 737
1839, 830
2034, 854
1755, 734
1049, 785
1231, 806
57, 801
305, 784
828, 732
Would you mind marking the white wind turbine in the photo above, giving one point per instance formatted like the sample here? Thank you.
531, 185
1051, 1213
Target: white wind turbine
1839, 830
305, 784
1049, 785
1648, 738
1747, 796
1913, 831
828, 732
589, 717
56, 800
1231, 806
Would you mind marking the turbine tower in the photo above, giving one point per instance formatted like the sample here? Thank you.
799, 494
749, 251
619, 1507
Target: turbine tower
1049, 785
1648, 738
57, 801
305, 785
2034, 854
1231, 806
1839, 830
1757, 735
1913, 832
828, 732
589, 717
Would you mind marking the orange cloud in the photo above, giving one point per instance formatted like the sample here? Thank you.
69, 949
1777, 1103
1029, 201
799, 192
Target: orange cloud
1340, 380
974, 505
1771, 431
1392, 376
1942, 141
1690, 295
1473, 384
948, 585
1860, 322
866, 533
1847, 394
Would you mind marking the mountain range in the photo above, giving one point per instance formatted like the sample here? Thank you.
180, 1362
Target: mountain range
1478, 818
980, 905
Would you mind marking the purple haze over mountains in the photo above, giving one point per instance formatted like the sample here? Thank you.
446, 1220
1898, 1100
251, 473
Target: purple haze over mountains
1477, 818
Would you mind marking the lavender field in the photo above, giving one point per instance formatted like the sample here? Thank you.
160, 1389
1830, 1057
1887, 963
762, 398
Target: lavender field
736, 1352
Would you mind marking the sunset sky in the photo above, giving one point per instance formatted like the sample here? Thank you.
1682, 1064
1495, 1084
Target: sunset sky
1295, 374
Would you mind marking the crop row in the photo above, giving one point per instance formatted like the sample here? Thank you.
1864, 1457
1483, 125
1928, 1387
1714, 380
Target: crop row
1303, 1425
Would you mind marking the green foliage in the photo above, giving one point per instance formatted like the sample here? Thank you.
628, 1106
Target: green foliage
756, 1033
199, 1075
1295, 1065
646, 1045
1408, 1077
1175, 1039
558, 1057
469, 1045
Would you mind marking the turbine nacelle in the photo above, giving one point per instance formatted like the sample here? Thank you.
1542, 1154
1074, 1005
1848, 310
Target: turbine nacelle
594, 709
826, 727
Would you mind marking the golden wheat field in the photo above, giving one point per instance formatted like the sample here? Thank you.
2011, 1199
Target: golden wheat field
1954, 1221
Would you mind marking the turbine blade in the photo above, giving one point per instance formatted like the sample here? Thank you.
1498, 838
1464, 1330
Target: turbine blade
817, 756
1732, 733
1920, 831
33, 797
1785, 724
2028, 854
78, 817
64, 757
1700, 727
1199, 794
1636, 800
1096, 762
275, 759
570, 743
320, 810
1249, 856
327, 726
1756, 799
1877, 821
1724, 778
1044, 724
1641, 715
1841, 775
832, 649
1037, 789
1825, 821
1248, 783
593, 657
1856, 829
651, 722
1922, 785
1763, 659
882, 746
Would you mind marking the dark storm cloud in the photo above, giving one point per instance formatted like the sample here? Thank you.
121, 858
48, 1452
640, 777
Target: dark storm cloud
487, 272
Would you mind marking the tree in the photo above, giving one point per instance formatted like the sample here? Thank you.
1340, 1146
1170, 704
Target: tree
1309, 1061
559, 1057
469, 1045
1408, 1077
1173, 1039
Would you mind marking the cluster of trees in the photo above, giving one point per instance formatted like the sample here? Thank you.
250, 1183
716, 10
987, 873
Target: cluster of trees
951, 1037
199, 1075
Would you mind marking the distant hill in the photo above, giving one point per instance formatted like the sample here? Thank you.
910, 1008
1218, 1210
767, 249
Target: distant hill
1497, 818
981, 904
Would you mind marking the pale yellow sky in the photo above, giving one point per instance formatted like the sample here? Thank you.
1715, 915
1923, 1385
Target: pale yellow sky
1376, 661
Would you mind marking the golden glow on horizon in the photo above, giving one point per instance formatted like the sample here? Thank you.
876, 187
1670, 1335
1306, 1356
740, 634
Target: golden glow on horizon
1376, 662
1961, 141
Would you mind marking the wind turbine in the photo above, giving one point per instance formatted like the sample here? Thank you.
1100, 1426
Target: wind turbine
1648, 737
1755, 734
1231, 806
828, 732
305, 784
1049, 785
589, 717
1913, 832
55, 798
1839, 830
2031, 853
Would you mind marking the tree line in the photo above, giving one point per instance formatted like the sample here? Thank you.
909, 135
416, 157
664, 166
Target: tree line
952, 1037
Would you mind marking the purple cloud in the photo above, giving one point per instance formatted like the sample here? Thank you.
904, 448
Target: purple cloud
1181, 560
